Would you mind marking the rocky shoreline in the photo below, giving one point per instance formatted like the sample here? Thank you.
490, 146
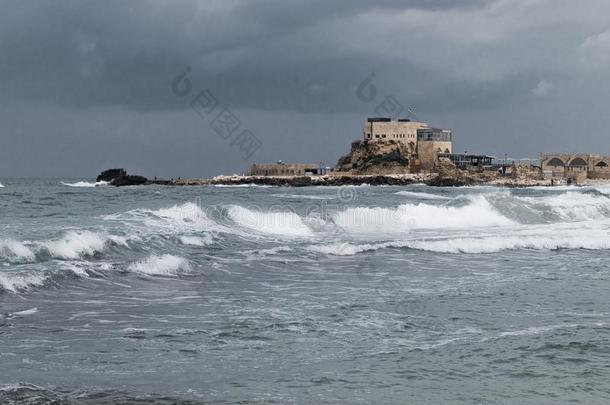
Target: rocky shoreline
445, 178
430, 179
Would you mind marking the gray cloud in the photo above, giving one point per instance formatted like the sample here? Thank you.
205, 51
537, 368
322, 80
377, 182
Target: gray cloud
505, 64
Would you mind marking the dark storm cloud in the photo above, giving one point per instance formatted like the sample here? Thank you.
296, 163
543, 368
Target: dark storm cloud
260, 54
86, 84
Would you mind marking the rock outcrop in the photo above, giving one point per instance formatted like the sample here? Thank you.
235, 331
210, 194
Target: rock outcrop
451, 176
111, 174
119, 178
302, 181
522, 175
376, 158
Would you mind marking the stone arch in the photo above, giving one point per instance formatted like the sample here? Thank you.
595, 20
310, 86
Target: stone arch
601, 164
578, 162
555, 162
447, 150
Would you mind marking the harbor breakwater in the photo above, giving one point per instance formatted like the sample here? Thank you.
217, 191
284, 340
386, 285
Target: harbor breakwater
455, 178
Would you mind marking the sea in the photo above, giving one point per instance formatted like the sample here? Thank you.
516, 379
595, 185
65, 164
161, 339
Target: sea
314, 295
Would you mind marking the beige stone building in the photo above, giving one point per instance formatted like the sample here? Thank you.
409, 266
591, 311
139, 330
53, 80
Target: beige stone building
286, 169
424, 142
384, 129
430, 143
575, 166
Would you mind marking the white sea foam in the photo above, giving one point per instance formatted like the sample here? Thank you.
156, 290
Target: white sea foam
271, 251
478, 213
73, 244
166, 265
346, 249
85, 184
76, 244
241, 185
1, 185
491, 244
20, 281
15, 251
574, 206
555, 188
26, 312
177, 219
275, 223
537, 330
422, 195
306, 196
578, 235
189, 213
602, 188
196, 240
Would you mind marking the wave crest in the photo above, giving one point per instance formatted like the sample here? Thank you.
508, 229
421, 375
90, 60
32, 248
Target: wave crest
165, 265
477, 213
284, 223
85, 184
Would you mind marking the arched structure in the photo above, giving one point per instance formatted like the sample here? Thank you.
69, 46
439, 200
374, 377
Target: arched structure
578, 162
576, 167
555, 162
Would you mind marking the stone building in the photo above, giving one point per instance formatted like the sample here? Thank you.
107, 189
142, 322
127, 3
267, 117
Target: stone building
384, 129
286, 169
576, 167
423, 142
430, 143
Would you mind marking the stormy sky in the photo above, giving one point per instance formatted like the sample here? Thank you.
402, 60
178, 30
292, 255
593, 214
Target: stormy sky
92, 85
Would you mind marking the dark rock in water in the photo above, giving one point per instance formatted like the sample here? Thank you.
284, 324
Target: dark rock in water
129, 180
449, 182
119, 178
111, 174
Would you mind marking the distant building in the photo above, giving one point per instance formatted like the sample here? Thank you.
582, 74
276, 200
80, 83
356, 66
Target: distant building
402, 130
576, 167
430, 143
286, 169
468, 161
424, 142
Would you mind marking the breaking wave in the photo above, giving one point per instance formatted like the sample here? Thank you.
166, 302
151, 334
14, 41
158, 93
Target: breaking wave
165, 265
1, 185
422, 195
274, 223
468, 245
573, 206
77, 244
15, 251
491, 244
85, 184
178, 219
197, 240
16, 282
477, 213
72, 245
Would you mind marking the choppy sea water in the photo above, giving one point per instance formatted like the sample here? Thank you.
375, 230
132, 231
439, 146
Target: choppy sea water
313, 295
